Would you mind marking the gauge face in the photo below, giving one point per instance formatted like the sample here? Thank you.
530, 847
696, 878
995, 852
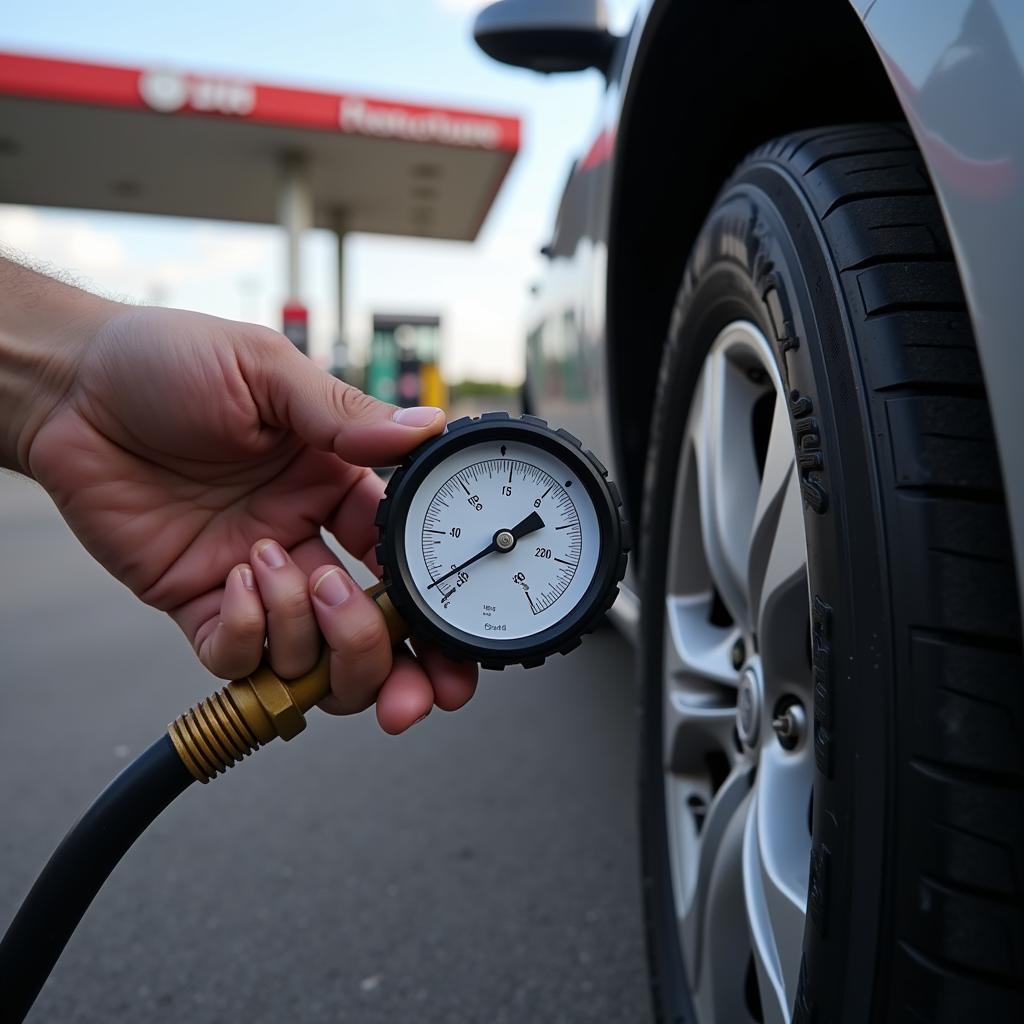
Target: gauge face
501, 540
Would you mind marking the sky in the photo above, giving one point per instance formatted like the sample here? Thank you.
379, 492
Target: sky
417, 50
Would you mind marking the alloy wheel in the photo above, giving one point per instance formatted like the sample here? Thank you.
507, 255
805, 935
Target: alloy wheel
737, 690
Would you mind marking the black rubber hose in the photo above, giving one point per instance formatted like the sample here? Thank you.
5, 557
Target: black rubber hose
78, 868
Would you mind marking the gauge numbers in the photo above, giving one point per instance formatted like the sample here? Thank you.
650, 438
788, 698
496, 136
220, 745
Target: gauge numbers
507, 539
440, 540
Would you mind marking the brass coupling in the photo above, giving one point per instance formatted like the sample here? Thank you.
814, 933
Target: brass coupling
248, 713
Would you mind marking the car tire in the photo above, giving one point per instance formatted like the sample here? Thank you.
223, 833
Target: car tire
830, 245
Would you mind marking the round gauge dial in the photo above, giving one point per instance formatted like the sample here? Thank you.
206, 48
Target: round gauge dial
501, 540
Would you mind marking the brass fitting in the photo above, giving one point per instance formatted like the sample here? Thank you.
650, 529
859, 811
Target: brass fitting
249, 712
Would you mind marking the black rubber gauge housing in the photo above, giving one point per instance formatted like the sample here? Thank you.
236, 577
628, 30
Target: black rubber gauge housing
424, 620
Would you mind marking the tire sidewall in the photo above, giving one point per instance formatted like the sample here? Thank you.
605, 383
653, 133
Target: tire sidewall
762, 257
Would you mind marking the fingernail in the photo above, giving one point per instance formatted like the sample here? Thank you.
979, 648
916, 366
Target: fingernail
246, 574
272, 555
417, 416
333, 588
426, 714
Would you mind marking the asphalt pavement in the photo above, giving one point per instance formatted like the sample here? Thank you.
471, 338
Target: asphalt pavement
481, 868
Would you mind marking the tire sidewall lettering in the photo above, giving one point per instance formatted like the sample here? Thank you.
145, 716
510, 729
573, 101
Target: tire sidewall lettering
759, 258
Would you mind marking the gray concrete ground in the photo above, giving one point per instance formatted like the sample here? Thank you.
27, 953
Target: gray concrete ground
481, 868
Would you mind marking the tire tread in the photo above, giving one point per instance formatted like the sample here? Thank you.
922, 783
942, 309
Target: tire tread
952, 944
962, 620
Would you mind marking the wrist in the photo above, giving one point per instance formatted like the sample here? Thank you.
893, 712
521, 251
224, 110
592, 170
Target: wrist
44, 325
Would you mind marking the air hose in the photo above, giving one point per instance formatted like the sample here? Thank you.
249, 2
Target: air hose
197, 747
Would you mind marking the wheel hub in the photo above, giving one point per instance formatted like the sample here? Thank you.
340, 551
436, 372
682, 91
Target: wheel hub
748, 707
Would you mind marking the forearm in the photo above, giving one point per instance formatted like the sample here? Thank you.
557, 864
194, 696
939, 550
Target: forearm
43, 325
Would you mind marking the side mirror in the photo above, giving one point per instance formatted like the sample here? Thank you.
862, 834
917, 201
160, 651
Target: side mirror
546, 35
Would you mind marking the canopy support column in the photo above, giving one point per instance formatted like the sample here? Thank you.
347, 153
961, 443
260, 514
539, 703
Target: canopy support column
295, 211
341, 355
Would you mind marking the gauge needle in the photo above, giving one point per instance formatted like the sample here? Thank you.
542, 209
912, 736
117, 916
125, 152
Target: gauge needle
528, 525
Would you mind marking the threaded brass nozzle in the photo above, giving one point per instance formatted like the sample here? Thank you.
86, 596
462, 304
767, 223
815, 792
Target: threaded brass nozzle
247, 713
235, 721
212, 736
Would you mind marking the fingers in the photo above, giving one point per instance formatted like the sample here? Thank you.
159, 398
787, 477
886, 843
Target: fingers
364, 669
357, 635
293, 638
231, 645
274, 598
406, 696
453, 682
353, 522
292, 391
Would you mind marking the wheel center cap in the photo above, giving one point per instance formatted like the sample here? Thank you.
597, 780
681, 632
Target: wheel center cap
748, 707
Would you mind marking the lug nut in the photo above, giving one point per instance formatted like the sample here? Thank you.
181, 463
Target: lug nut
790, 723
739, 654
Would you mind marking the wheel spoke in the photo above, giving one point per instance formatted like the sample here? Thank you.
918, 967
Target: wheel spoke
699, 709
779, 465
696, 725
778, 580
727, 477
693, 922
782, 601
699, 649
718, 988
776, 852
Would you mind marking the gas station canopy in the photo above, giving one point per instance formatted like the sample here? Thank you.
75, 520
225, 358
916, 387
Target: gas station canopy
161, 141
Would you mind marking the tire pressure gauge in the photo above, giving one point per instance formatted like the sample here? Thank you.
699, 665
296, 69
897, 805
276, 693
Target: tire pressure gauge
502, 540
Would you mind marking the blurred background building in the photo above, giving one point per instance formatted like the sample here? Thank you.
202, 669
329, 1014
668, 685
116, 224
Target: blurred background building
404, 364
155, 141
418, 51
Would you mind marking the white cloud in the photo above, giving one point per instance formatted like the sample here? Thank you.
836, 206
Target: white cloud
19, 227
140, 259
94, 251
63, 244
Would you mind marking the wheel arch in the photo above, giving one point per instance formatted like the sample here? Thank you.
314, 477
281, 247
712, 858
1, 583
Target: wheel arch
789, 66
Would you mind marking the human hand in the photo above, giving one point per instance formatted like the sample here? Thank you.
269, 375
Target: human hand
197, 460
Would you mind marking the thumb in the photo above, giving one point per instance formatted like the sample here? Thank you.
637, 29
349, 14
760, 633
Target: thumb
330, 415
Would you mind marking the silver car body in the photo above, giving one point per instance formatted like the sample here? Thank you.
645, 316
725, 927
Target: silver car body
956, 68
